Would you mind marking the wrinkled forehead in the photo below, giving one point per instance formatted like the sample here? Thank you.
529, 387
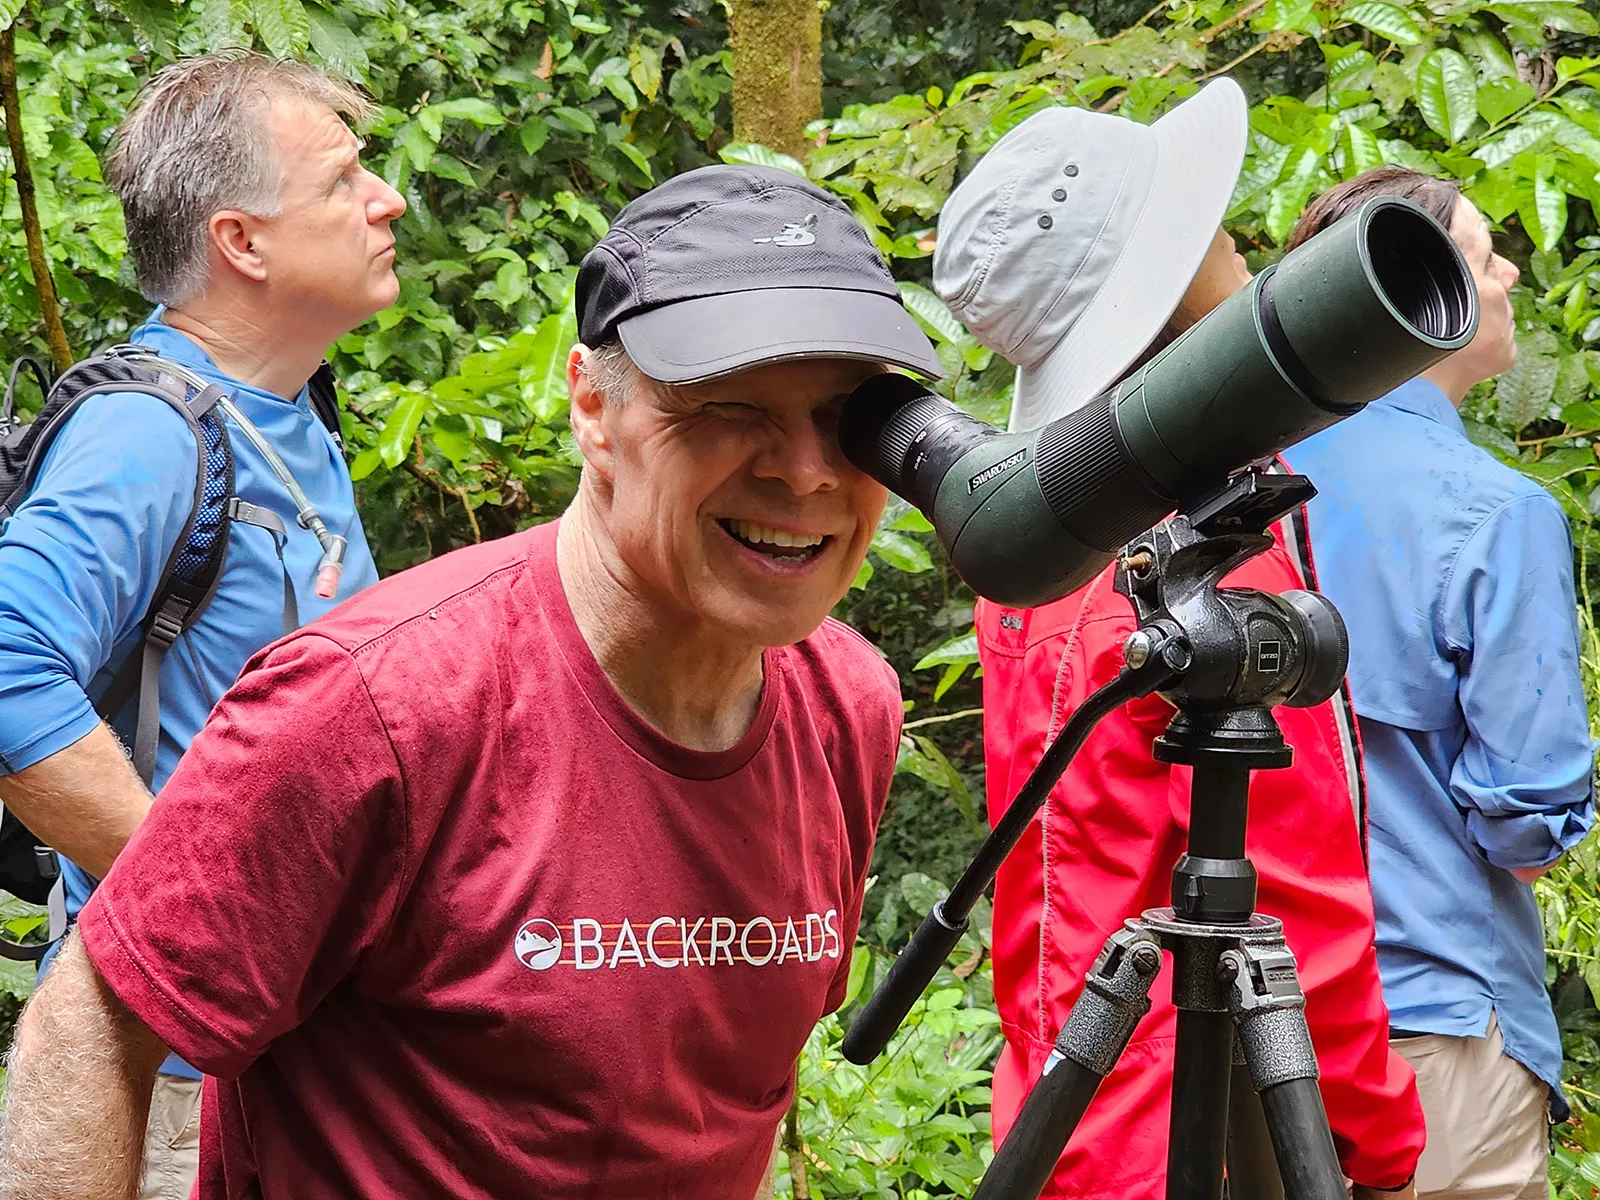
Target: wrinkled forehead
803, 384
309, 133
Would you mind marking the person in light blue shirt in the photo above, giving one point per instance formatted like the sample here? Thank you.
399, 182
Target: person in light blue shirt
1454, 575
262, 239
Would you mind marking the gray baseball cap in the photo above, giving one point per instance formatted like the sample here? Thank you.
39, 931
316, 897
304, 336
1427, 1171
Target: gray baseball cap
1073, 239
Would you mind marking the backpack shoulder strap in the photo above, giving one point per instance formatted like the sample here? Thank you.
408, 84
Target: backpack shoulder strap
324, 393
189, 577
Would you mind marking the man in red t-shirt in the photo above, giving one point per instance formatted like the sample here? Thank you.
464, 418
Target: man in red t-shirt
527, 872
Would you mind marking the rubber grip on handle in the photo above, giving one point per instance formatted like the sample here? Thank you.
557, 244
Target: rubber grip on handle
918, 963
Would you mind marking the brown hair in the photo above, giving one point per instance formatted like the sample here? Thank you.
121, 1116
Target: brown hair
1436, 197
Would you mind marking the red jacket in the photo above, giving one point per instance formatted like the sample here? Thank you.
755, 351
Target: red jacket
1103, 849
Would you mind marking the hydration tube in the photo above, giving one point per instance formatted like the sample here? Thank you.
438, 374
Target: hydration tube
331, 565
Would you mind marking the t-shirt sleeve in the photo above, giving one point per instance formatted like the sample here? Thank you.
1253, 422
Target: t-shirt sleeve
271, 861
878, 751
81, 558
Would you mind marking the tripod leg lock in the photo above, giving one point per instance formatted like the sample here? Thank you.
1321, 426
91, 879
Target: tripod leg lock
1115, 996
1269, 1010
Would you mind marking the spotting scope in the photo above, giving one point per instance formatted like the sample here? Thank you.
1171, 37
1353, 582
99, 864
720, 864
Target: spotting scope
1027, 517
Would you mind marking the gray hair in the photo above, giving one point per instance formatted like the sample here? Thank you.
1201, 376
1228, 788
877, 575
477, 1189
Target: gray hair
195, 142
611, 371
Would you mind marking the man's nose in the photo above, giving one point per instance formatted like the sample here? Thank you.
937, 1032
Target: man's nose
803, 457
386, 204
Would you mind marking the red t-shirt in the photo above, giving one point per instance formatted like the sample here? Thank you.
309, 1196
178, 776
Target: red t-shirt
444, 917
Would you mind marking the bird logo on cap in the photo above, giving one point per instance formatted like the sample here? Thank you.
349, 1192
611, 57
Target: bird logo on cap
795, 233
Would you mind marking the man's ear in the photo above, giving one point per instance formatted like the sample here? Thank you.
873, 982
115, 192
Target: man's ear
588, 412
233, 238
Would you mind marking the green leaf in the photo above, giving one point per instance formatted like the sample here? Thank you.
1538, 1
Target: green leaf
1547, 219
365, 463
900, 551
926, 761
156, 19
574, 118
335, 45
934, 314
631, 152
284, 28
1293, 15
394, 439
416, 143
446, 167
758, 155
1289, 197
9, 10
963, 649
1499, 98
1389, 20
544, 376
469, 108
860, 963
911, 521
1447, 94
533, 135
644, 68
1523, 393
1364, 151
222, 24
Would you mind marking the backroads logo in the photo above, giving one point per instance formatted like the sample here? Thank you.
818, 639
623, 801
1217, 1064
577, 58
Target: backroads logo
589, 945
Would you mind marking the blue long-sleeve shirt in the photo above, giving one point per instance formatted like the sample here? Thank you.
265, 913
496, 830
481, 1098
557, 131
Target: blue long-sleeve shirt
1454, 576
81, 557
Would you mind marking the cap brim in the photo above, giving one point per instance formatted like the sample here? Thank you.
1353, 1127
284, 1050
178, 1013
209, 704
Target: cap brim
1200, 149
693, 341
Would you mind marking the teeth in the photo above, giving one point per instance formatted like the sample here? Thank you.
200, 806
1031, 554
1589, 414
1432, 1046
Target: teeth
757, 534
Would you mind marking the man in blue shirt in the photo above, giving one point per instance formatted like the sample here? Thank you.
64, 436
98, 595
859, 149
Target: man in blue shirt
1454, 575
254, 227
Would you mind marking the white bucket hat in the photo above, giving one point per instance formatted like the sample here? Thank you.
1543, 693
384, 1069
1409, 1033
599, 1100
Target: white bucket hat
1073, 240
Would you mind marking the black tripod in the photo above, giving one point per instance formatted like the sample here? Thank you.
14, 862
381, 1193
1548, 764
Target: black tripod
1224, 657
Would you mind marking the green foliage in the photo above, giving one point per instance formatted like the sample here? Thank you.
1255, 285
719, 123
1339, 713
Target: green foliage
515, 129
915, 1122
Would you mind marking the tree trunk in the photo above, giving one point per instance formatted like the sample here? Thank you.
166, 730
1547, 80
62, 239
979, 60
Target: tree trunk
777, 71
60, 352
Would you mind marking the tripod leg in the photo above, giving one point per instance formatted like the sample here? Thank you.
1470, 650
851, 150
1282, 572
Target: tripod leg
1199, 1135
1115, 996
1270, 1009
1252, 1168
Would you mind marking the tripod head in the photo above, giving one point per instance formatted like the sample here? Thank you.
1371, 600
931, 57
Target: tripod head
1223, 656
1248, 648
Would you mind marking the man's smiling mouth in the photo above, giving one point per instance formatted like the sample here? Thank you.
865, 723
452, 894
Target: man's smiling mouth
775, 543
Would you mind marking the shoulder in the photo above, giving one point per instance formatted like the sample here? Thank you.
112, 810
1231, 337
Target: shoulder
1520, 519
125, 438
449, 598
838, 671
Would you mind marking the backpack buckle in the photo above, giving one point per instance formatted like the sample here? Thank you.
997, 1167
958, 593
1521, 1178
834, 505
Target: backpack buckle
167, 624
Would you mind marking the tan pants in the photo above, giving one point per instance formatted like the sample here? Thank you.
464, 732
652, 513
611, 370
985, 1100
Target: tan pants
1487, 1116
172, 1140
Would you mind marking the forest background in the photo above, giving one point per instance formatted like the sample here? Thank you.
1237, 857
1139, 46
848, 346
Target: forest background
516, 128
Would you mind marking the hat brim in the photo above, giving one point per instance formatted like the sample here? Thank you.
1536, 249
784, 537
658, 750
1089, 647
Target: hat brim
693, 341
1200, 148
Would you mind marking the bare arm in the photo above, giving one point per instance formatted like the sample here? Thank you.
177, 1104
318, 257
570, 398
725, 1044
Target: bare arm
77, 1090
1529, 874
84, 801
